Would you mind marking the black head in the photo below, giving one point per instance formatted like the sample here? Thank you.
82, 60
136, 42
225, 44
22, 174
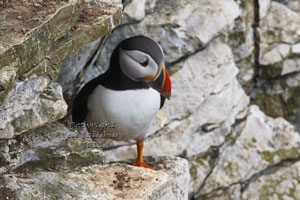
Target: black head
142, 60
145, 45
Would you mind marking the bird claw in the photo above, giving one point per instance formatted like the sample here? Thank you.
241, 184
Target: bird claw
141, 164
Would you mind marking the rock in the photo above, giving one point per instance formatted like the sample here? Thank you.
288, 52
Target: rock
135, 11
280, 98
296, 48
200, 168
290, 66
264, 6
31, 104
41, 51
291, 4
178, 169
276, 39
30, 61
282, 184
232, 193
278, 60
7, 75
240, 38
272, 23
51, 147
113, 181
277, 53
261, 142
68, 74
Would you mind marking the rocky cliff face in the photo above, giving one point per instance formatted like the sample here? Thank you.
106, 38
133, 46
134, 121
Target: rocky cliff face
235, 77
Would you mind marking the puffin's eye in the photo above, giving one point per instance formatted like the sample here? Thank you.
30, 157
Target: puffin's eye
145, 63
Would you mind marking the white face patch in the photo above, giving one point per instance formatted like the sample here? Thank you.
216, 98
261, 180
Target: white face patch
136, 64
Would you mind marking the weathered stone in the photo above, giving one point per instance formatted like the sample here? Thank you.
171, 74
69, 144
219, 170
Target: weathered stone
263, 142
275, 30
135, 11
42, 50
282, 184
67, 75
31, 104
280, 97
35, 59
296, 48
264, 6
178, 169
279, 62
113, 181
291, 4
232, 193
277, 35
24, 51
200, 167
51, 147
290, 66
7, 75
276, 54
240, 38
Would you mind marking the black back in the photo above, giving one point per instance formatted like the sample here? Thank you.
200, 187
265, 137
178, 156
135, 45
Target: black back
113, 79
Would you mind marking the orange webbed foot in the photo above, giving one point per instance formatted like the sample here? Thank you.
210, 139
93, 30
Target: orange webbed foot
141, 164
139, 161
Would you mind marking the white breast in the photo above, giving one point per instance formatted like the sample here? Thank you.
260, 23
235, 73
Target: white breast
130, 110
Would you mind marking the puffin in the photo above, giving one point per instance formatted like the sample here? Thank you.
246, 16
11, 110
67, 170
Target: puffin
129, 94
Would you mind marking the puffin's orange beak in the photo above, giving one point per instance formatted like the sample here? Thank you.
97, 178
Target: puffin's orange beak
166, 89
161, 82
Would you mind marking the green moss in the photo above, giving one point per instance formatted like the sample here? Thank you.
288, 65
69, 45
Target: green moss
250, 144
200, 161
276, 105
83, 159
48, 163
271, 71
75, 144
291, 103
230, 137
271, 189
281, 153
229, 168
30, 196
25, 121
271, 105
193, 171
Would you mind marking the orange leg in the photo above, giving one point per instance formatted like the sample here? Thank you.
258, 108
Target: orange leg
139, 161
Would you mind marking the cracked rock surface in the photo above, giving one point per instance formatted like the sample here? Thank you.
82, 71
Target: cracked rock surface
278, 60
113, 181
261, 143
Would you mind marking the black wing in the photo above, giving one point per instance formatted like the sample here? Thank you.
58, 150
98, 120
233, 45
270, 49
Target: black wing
80, 108
162, 101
